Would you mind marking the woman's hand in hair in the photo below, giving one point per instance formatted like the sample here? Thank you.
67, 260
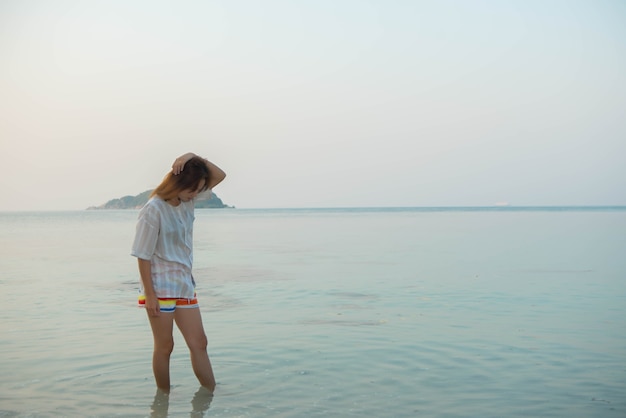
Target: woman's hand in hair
179, 163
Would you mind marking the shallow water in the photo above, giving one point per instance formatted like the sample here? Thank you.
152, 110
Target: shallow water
319, 313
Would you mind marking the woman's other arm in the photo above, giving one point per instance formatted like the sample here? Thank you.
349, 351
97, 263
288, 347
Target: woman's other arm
152, 302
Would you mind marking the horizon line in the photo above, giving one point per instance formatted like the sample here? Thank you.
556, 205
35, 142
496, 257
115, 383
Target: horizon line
484, 207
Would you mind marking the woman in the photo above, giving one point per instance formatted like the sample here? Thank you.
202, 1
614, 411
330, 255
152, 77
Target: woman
163, 247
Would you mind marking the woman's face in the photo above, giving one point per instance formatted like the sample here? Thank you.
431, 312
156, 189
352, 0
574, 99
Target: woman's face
187, 195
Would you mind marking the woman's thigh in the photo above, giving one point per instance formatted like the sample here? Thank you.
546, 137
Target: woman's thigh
162, 327
189, 321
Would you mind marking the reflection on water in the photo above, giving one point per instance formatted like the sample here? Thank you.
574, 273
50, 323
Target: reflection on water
160, 405
200, 403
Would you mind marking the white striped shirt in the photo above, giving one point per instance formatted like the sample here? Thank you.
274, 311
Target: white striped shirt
164, 235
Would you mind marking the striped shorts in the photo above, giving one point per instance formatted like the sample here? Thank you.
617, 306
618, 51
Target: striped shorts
170, 304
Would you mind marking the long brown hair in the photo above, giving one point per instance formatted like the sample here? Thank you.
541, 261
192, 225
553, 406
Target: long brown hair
194, 171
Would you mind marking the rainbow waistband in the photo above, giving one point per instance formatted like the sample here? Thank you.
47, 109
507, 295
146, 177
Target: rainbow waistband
170, 304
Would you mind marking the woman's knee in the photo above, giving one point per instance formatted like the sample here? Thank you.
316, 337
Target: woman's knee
164, 346
198, 342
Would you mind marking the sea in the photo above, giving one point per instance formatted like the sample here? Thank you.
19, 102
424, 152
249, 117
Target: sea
370, 312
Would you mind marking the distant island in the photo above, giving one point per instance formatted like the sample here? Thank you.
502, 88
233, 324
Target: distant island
136, 202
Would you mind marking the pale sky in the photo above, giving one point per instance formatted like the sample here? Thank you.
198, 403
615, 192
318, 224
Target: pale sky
316, 103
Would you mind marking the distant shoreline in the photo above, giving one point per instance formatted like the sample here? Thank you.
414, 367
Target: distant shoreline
363, 209
450, 208
203, 200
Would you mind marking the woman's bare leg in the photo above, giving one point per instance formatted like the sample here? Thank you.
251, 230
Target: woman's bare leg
189, 322
162, 327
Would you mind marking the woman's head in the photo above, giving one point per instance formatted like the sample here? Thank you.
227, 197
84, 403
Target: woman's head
192, 180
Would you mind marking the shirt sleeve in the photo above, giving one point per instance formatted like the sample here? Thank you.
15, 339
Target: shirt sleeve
146, 234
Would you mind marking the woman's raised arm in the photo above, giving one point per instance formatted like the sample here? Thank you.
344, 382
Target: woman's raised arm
217, 174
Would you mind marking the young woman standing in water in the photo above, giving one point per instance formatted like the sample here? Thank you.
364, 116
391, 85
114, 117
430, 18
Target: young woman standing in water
163, 246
